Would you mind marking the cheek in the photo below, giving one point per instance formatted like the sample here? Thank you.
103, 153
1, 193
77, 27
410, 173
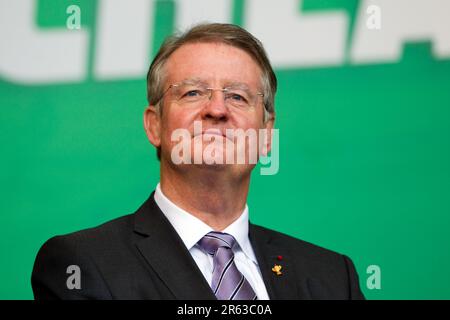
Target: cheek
253, 120
255, 123
173, 120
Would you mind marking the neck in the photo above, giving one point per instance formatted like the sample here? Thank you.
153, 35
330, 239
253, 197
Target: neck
207, 193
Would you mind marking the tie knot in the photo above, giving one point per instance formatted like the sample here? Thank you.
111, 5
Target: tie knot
215, 240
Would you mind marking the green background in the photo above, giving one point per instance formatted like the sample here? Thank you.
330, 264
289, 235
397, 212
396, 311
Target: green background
364, 160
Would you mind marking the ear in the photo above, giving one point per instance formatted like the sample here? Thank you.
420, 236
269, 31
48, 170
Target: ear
267, 138
152, 125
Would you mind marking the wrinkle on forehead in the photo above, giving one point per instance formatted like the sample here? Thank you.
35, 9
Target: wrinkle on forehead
217, 64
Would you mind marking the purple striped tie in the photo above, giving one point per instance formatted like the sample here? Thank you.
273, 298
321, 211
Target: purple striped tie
228, 283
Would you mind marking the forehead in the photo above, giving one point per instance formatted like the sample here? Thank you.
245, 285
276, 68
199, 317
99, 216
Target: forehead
216, 63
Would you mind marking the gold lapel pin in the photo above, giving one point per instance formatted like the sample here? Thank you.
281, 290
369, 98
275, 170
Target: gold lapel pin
277, 269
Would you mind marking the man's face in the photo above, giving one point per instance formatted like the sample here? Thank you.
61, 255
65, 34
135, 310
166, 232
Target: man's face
212, 65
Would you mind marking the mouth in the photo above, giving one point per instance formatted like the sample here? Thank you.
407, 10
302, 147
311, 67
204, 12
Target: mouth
212, 132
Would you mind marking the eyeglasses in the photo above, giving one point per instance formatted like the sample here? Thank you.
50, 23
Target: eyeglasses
195, 94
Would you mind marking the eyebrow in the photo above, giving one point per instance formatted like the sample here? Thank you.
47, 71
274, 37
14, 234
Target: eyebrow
228, 84
193, 81
237, 85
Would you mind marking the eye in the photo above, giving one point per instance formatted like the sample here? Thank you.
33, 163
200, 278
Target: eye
237, 97
192, 93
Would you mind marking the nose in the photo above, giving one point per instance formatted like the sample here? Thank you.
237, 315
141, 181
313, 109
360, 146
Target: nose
215, 108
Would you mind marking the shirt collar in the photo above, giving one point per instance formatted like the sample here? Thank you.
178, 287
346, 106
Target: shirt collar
191, 229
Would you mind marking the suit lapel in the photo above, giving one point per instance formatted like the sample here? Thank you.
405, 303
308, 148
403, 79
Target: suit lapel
167, 255
269, 254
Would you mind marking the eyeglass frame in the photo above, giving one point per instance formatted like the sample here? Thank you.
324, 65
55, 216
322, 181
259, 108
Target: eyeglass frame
209, 89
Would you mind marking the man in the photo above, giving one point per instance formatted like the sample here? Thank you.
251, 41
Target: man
192, 238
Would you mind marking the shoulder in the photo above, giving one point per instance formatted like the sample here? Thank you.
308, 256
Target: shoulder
81, 250
294, 245
113, 230
81, 244
325, 273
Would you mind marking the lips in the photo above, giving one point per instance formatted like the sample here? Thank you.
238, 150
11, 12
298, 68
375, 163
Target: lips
211, 131
215, 132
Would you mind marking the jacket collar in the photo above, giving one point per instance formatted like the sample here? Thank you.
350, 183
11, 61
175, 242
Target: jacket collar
167, 255
271, 251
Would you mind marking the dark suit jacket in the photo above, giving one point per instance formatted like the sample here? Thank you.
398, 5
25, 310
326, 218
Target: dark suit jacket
140, 256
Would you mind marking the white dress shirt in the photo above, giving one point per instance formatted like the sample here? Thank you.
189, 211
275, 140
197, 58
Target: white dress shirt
191, 230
